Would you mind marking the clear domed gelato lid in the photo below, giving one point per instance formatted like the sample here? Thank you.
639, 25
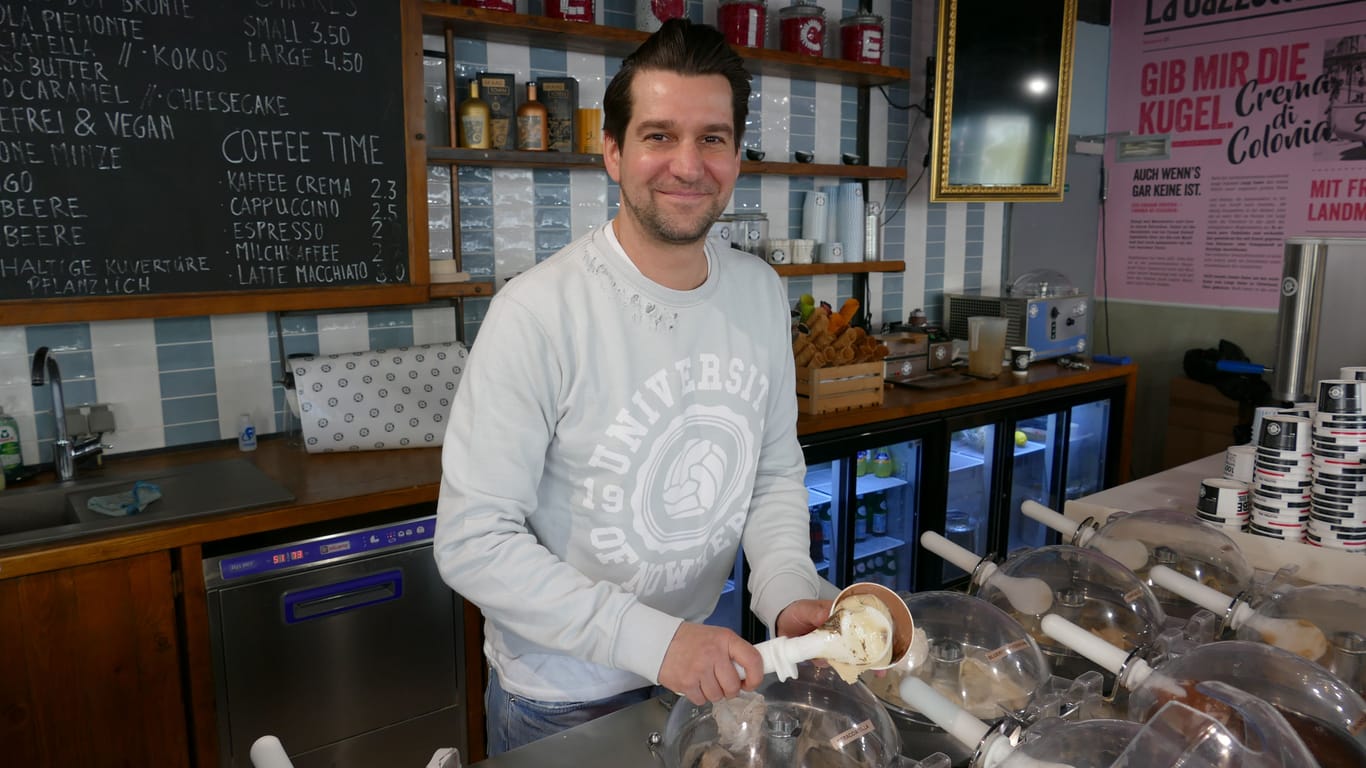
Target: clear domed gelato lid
970, 651
814, 719
1242, 731
1088, 744
1142, 539
1328, 716
1339, 612
1042, 284
1082, 585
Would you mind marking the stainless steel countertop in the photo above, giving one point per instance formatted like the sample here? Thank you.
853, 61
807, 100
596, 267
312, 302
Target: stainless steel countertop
618, 740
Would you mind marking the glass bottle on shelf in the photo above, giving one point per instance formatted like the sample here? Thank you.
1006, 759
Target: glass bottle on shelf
861, 523
882, 463
861, 467
877, 519
474, 120
817, 536
533, 123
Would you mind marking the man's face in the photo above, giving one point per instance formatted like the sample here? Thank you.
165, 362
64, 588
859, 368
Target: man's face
678, 160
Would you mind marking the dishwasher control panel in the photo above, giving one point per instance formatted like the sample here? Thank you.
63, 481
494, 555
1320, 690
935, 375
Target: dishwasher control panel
321, 550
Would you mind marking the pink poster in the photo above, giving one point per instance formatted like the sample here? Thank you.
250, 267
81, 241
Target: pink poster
1246, 123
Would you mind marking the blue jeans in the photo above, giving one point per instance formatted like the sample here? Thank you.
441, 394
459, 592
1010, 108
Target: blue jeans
513, 721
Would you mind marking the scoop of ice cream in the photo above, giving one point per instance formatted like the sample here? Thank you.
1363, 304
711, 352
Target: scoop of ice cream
861, 628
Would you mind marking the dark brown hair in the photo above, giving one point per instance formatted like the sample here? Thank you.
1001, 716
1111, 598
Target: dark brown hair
684, 48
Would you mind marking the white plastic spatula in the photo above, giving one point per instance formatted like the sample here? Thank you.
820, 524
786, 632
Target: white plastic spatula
856, 638
1027, 595
1130, 553
1295, 635
961, 725
1109, 657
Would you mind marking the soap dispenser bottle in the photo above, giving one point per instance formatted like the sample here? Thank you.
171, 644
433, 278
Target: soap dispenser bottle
11, 457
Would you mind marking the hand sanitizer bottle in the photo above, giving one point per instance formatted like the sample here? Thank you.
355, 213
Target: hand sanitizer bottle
246, 433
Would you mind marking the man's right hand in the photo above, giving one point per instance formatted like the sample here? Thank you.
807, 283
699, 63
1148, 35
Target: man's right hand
700, 664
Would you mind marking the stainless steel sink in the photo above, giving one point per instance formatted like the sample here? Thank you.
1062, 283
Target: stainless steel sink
57, 512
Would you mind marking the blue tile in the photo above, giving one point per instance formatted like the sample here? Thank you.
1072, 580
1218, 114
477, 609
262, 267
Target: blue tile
934, 250
188, 434
550, 194
804, 88
550, 176
803, 126
301, 344
390, 318
973, 249
298, 323
471, 52
187, 383
976, 214
935, 233
558, 217
187, 410
476, 219
76, 393
480, 242
476, 193
548, 62
58, 338
478, 264
549, 241
170, 330
389, 338
937, 214
934, 282
179, 357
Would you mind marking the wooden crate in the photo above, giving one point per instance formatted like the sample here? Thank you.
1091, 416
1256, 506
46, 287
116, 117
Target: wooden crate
839, 388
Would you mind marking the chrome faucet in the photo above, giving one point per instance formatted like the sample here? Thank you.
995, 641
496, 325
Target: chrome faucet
65, 452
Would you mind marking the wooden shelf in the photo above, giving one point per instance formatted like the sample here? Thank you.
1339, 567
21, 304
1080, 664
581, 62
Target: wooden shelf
513, 158
852, 267
465, 290
545, 32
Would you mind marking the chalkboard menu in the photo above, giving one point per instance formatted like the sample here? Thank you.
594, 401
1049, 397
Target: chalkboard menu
172, 146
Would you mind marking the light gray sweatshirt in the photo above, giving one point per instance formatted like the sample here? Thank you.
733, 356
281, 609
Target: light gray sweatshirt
611, 445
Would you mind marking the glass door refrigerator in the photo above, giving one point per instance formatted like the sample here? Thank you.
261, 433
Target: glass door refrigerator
865, 495
1048, 452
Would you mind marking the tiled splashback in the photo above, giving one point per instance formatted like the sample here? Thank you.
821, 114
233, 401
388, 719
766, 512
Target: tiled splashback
179, 381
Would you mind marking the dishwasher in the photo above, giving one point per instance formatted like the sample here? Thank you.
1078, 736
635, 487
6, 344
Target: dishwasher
346, 645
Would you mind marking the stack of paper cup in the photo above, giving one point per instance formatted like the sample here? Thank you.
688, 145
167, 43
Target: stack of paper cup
1337, 514
851, 217
1238, 462
832, 215
1257, 417
815, 216
1281, 478
1223, 503
1357, 372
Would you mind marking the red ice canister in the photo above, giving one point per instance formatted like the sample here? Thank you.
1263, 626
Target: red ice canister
802, 25
861, 38
742, 21
650, 14
570, 10
492, 5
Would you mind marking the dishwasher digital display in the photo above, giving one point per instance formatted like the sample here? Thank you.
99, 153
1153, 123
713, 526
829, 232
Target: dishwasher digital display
326, 548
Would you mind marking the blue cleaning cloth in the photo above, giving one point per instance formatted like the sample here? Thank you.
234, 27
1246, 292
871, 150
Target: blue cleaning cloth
126, 503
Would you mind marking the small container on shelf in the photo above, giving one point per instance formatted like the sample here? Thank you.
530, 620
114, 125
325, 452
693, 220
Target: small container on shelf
533, 123
651, 14
743, 21
570, 10
802, 28
861, 38
509, 6
474, 119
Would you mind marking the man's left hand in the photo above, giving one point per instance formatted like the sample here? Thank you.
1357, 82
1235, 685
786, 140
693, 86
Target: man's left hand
802, 616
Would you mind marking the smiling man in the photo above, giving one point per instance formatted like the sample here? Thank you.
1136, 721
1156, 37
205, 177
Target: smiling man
626, 422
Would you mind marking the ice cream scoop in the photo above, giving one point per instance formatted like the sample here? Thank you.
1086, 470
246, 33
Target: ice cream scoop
1026, 595
991, 745
1295, 635
1130, 671
869, 628
1130, 553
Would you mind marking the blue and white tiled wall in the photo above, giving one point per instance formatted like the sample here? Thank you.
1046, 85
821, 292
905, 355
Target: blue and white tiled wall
179, 381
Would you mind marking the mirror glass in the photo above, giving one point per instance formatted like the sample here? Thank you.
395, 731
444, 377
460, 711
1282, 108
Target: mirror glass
1004, 75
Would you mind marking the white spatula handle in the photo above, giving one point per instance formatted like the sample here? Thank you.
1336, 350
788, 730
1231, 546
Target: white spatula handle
957, 555
1058, 522
1208, 598
1085, 643
782, 654
958, 722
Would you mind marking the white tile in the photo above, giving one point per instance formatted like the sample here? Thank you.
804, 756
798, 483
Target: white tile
343, 332
955, 246
16, 366
433, 325
591, 72
993, 242
138, 426
124, 354
828, 108
514, 233
774, 138
505, 57
773, 202
588, 195
242, 371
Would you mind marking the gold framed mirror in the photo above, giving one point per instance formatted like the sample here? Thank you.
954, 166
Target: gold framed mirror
1003, 86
